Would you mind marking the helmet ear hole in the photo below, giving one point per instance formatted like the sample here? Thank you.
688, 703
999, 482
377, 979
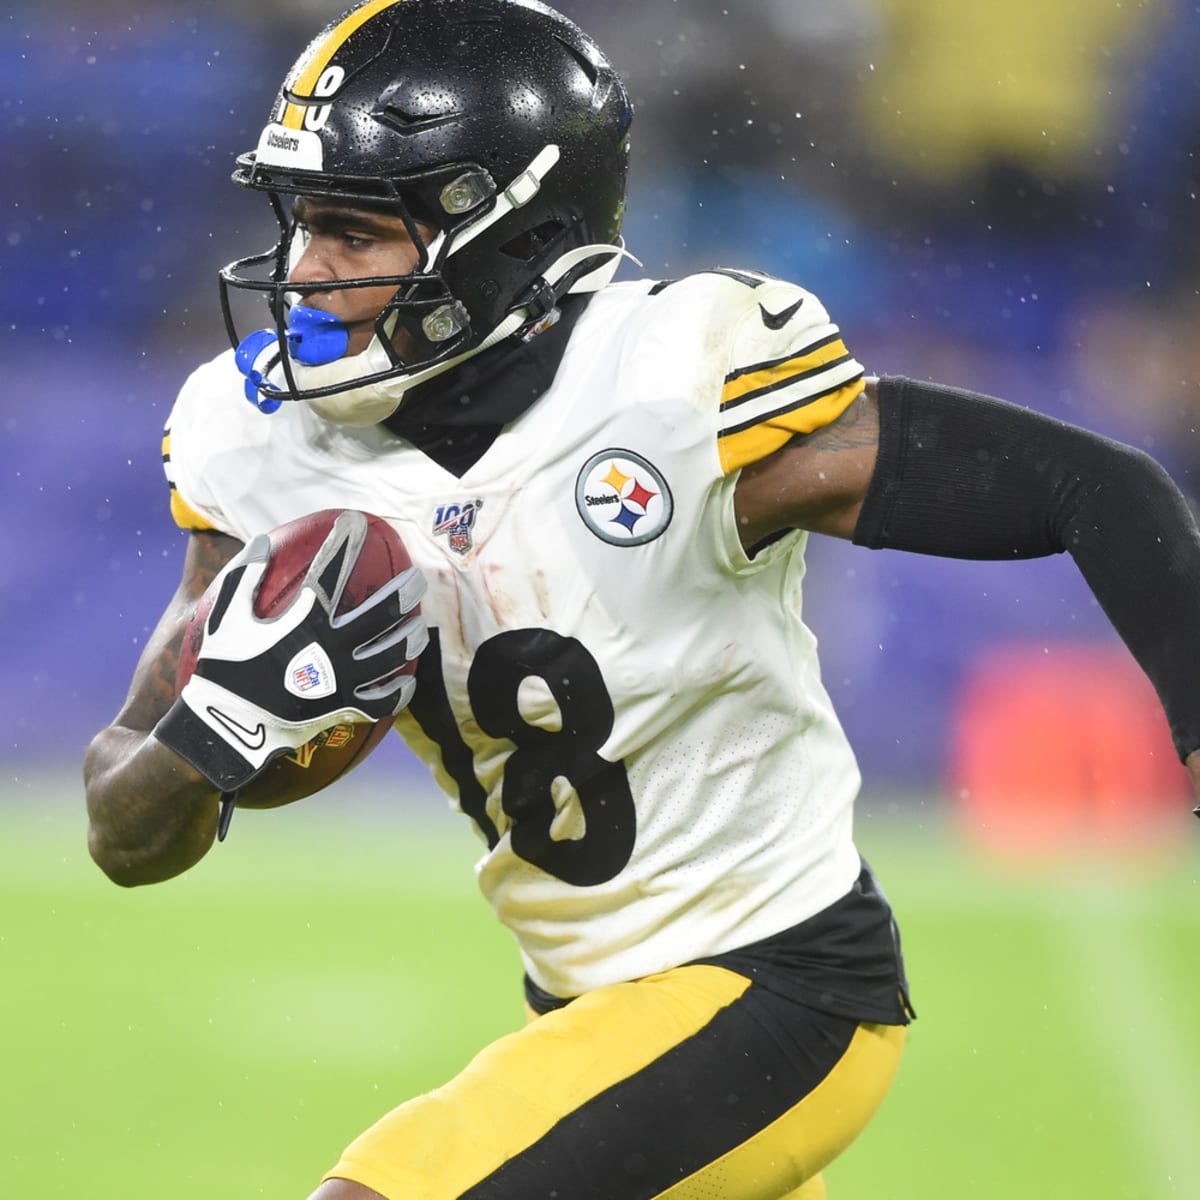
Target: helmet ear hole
586, 65
525, 247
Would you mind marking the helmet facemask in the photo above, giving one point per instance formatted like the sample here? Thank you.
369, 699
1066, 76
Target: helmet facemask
301, 358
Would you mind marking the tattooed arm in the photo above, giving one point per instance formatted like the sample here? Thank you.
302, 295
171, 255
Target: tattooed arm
150, 815
815, 482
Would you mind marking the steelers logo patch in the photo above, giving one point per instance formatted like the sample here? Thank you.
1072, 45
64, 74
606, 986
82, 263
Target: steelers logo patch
623, 499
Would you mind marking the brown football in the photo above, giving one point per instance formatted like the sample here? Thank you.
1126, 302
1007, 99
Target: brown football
330, 755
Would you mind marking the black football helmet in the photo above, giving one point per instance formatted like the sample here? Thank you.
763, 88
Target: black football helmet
497, 122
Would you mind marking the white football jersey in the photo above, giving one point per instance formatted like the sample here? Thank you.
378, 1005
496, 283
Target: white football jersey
626, 705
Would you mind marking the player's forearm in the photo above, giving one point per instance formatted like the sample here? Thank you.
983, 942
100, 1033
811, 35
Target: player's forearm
150, 815
967, 476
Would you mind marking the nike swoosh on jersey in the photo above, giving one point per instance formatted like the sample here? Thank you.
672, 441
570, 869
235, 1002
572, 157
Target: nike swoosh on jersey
780, 319
252, 739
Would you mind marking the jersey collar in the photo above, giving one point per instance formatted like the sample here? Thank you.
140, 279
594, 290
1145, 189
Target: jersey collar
454, 418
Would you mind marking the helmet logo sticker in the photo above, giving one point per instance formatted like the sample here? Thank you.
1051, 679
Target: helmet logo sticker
622, 498
454, 522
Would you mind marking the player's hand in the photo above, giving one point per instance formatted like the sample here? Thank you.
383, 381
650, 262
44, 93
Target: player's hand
262, 687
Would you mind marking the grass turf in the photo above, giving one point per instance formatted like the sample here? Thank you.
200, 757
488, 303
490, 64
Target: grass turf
227, 1032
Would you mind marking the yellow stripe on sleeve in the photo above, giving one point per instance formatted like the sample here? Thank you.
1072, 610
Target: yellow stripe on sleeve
748, 446
770, 375
186, 517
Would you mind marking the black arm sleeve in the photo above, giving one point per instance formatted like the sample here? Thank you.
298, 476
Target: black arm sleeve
966, 476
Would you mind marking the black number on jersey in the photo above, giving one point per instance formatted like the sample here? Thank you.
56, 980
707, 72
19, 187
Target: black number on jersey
571, 754
430, 707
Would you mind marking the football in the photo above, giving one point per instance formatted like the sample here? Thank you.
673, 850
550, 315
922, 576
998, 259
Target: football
331, 754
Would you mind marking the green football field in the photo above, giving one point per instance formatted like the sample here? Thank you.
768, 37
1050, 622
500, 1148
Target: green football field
225, 1033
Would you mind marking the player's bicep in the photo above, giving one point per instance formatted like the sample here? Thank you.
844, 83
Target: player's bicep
818, 481
152, 690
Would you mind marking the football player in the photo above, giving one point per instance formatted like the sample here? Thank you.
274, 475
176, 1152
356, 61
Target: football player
607, 490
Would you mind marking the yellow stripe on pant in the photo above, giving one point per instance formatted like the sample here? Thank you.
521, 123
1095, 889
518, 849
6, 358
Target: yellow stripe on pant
686, 1084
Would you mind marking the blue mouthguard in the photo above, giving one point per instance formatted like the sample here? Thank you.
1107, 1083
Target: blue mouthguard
313, 338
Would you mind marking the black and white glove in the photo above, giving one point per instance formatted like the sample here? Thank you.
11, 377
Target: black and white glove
263, 686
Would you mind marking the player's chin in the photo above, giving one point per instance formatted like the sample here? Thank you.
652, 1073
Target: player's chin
360, 335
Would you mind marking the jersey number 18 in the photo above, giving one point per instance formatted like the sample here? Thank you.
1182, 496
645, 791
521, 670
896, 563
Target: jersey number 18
542, 756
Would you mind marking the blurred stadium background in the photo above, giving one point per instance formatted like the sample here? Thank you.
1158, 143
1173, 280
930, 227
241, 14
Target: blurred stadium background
1001, 197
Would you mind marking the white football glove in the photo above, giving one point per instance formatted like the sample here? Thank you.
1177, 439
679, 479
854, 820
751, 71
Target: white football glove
263, 686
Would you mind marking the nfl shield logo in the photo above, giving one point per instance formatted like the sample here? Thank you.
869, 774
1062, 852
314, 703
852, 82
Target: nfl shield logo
455, 522
306, 678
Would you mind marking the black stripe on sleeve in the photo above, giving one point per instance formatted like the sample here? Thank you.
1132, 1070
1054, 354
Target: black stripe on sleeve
777, 362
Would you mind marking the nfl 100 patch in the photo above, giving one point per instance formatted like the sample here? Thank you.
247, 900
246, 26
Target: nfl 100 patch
454, 522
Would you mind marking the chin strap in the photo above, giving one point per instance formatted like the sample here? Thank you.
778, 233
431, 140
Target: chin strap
518, 193
373, 403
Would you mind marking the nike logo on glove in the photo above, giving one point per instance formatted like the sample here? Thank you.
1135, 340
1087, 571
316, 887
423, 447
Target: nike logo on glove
252, 739
780, 319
